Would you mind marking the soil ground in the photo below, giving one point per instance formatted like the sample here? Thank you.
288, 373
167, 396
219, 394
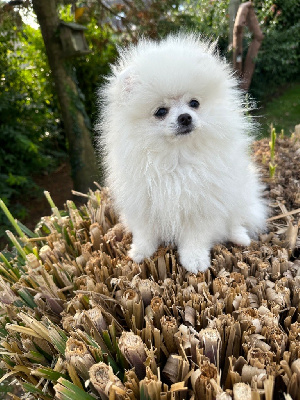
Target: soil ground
59, 184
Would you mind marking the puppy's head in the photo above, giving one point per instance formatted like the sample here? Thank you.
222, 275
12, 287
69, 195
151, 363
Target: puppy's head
177, 116
176, 88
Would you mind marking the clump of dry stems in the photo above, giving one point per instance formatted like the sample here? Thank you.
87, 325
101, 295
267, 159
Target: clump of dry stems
79, 320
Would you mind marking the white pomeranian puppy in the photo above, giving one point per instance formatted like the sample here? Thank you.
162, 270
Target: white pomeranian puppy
176, 147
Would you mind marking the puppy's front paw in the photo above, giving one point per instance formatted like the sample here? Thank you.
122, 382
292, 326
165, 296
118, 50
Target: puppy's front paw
139, 253
195, 260
240, 236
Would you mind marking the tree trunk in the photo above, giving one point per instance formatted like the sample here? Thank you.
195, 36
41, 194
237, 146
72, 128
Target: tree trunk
232, 10
246, 17
76, 122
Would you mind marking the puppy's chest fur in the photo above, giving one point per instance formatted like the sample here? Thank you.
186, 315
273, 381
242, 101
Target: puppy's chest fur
182, 189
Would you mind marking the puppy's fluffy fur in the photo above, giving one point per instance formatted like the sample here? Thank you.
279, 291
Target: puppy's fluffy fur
176, 147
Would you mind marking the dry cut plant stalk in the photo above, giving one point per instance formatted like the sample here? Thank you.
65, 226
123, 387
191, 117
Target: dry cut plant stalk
79, 357
105, 382
80, 320
133, 349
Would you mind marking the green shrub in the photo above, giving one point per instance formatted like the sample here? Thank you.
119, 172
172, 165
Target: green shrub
277, 15
278, 60
30, 133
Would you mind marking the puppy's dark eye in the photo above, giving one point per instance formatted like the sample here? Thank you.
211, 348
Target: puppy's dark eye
194, 103
161, 112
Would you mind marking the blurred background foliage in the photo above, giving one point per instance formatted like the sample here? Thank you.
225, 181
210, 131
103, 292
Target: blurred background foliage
32, 137
278, 61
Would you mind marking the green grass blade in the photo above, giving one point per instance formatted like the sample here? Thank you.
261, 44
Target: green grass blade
57, 340
27, 297
107, 340
49, 198
49, 374
73, 391
16, 244
26, 230
5, 261
11, 218
28, 387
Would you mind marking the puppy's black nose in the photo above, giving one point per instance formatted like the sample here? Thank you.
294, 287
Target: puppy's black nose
184, 119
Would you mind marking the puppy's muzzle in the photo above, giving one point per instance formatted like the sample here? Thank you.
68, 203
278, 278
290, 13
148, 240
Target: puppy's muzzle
184, 124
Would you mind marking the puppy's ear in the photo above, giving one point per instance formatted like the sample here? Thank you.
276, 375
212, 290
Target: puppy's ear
127, 78
128, 81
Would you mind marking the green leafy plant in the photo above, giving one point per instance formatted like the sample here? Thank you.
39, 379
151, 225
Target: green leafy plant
278, 60
272, 165
281, 134
31, 139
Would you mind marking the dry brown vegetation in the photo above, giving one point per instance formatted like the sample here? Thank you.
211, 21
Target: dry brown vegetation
80, 320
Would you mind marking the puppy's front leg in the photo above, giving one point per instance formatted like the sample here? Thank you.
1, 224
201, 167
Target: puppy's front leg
143, 245
194, 251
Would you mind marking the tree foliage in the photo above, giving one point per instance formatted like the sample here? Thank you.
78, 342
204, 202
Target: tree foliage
278, 60
31, 139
